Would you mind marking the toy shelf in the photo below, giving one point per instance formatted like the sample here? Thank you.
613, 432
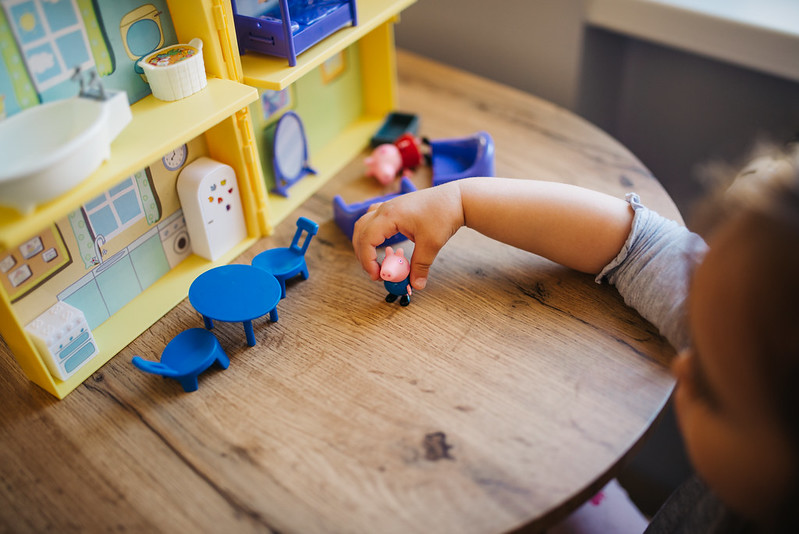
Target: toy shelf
134, 318
220, 113
375, 39
157, 127
270, 72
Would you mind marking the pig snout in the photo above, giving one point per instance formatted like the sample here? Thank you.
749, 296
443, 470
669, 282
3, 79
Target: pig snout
394, 271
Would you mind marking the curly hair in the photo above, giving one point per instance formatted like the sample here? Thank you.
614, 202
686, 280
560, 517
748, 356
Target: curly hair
763, 199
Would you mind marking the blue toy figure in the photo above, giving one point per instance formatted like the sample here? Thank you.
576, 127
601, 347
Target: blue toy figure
395, 272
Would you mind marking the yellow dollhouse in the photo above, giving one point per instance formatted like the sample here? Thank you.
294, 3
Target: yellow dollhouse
142, 267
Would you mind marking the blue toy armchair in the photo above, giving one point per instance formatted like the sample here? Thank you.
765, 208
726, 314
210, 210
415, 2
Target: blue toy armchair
462, 157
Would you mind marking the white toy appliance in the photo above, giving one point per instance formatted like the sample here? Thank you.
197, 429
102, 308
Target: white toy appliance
63, 338
209, 195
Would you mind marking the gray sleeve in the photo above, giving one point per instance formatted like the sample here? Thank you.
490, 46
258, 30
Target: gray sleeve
652, 271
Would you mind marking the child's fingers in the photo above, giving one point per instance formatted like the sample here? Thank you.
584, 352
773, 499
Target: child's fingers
423, 256
369, 232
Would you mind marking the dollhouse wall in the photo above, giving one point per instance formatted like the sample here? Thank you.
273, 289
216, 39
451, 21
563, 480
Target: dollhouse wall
107, 251
327, 100
43, 41
134, 226
147, 239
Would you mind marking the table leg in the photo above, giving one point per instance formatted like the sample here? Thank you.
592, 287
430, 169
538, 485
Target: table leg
209, 323
250, 333
273, 315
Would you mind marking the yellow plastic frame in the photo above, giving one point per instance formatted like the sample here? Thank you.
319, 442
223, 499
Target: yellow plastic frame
219, 113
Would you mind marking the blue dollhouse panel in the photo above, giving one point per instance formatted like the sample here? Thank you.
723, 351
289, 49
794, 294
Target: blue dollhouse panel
60, 16
74, 49
51, 38
26, 21
44, 40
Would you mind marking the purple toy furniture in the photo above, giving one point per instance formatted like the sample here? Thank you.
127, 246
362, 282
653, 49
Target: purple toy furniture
285, 263
346, 215
453, 159
188, 354
286, 28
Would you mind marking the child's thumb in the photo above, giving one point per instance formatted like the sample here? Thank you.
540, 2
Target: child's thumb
421, 261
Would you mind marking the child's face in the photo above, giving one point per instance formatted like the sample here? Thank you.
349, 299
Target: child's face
724, 409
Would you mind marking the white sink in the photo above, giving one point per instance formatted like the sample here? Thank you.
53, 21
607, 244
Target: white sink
48, 149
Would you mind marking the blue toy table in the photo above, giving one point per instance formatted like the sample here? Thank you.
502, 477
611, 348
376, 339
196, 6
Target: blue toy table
235, 293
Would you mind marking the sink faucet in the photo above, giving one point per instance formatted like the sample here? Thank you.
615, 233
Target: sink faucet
99, 241
93, 88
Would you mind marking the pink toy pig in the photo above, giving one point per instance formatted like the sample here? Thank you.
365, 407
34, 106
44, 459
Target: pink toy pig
384, 163
395, 272
388, 160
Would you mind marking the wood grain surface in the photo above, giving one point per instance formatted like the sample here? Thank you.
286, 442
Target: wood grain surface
506, 394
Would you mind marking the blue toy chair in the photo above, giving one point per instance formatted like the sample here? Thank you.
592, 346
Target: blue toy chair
285, 263
188, 354
453, 159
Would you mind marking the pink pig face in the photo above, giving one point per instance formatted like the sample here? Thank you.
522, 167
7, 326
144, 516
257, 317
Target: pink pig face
384, 163
395, 266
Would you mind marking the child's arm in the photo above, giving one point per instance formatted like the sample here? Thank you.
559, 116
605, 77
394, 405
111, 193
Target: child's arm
575, 227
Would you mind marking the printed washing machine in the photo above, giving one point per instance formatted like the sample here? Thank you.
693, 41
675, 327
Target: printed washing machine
175, 238
141, 31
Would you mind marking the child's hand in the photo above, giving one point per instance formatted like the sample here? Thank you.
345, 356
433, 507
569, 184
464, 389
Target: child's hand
428, 218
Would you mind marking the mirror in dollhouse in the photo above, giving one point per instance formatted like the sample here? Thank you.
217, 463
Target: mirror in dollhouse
289, 153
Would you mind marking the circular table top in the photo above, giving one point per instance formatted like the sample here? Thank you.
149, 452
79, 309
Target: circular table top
234, 293
506, 394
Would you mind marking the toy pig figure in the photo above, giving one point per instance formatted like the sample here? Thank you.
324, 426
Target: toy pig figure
388, 160
384, 163
395, 272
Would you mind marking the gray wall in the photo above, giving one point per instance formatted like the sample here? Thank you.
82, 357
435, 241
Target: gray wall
674, 110
533, 45
677, 111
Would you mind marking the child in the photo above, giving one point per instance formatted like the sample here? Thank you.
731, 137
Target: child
737, 331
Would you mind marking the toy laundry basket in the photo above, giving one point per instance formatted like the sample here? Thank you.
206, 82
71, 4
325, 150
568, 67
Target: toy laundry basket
176, 71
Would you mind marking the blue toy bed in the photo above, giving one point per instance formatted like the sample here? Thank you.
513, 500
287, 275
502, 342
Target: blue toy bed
286, 28
346, 215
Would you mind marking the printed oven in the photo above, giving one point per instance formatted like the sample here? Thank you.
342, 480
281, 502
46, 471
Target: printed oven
63, 338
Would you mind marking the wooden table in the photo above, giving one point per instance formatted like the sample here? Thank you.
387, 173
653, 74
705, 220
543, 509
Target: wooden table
508, 392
